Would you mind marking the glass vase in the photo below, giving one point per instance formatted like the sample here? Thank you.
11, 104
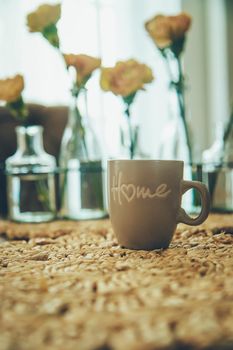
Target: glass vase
82, 178
218, 170
31, 178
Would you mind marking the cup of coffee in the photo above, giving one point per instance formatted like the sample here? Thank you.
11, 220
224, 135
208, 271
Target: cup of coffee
145, 201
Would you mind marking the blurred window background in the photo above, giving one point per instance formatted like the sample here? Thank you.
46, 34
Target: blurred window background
114, 30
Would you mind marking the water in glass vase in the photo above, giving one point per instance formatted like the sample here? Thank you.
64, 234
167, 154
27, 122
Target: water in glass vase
31, 197
219, 180
31, 178
82, 196
81, 180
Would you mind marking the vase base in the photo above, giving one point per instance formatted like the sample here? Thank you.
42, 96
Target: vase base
33, 217
85, 214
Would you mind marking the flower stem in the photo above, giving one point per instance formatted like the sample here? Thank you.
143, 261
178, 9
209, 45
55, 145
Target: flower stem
80, 124
228, 128
178, 84
168, 68
180, 94
132, 143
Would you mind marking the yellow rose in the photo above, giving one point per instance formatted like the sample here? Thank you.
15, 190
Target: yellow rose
84, 65
167, 30
126, 77
11, 88
43, 17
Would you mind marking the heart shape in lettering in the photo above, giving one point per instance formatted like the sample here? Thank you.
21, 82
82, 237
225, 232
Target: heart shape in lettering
128, 191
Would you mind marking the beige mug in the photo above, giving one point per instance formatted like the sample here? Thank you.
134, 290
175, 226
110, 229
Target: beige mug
145, 201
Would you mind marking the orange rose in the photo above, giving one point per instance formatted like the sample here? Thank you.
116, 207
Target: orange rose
44, 20
167, 30
43, 17
11, 88
126, 77
11, 93
84, 65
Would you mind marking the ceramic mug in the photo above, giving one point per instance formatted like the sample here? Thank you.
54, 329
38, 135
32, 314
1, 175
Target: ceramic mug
145, 201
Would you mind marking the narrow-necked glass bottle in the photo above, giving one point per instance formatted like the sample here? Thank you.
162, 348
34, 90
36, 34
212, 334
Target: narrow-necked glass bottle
31, 178
82, 190
218, 169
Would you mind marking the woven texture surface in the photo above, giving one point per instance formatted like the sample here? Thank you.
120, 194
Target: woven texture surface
68, 285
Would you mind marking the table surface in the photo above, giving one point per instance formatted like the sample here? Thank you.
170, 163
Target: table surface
68, 285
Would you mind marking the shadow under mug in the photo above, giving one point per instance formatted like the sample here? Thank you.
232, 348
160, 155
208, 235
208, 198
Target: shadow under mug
144, 199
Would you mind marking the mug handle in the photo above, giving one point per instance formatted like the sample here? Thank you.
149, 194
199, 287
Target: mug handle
183, 217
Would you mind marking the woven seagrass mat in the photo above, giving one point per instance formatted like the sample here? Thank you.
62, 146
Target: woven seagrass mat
68, 285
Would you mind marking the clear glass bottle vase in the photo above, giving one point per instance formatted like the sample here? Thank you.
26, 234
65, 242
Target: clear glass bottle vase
82, 178
218, 169
31, 178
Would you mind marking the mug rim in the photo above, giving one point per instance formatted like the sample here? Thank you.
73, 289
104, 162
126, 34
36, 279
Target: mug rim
146, 160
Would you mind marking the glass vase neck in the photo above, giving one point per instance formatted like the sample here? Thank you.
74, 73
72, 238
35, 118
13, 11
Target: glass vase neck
228, 132
29, 140
78, 116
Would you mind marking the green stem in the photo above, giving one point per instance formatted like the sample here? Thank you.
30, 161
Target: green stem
183, 118
168, 68
43, 195
80, 124
179, 87
228, 129
180, 94
19, 111
132, 143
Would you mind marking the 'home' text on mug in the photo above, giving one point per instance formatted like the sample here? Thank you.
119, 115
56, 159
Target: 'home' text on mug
131, 192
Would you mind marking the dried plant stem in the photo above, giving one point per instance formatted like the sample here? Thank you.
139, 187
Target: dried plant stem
131, 136
178, 85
